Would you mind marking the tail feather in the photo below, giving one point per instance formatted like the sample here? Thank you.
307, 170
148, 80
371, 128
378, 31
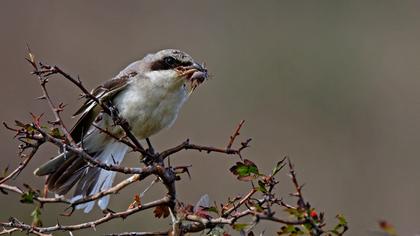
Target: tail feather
68, 160
69, 173
103, 202
96, 180
68, 170
90, 175
70, 182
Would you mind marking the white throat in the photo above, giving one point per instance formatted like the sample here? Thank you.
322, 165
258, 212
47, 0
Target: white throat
151, 104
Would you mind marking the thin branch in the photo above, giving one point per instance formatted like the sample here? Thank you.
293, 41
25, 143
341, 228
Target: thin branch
235, 134
205, 223
56, 110
298, 187
41, 200
139, 234
186, 145
22, 165
278, 220
241, 202
9, 231
91, 224
113, 190
317, 230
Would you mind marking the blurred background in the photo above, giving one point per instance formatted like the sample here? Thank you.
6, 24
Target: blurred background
332, 84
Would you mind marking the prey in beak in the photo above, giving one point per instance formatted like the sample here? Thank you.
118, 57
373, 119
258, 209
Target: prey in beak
195, 74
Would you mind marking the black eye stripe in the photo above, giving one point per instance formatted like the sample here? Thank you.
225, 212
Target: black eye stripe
159, 65
186, 63
166, 64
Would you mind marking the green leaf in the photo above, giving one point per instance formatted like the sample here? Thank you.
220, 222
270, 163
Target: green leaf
261, 187
36, 217
20, 124
251, 167
278, 167
28, 197
308, 226
242, 170
212, 209
341, 220
27, 127
290, 230
245, 171
239, 227
341, 226
299, 214
55, 132
5, 172
258, 208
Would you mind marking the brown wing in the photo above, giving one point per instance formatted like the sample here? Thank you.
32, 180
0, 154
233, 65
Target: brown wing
90, 109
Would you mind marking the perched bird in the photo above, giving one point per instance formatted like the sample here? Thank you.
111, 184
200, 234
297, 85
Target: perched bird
148, 94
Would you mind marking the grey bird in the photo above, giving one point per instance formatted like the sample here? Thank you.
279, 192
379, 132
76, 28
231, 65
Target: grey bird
148, 94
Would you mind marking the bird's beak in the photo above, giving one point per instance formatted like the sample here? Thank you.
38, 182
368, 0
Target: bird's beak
195, 71
195, 74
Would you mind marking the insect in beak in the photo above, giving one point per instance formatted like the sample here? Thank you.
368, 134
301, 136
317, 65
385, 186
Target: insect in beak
195, 74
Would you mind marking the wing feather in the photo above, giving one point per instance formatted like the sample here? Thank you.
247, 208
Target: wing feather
90, 110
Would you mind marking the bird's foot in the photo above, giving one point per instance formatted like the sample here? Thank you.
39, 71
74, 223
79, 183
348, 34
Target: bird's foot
150, 150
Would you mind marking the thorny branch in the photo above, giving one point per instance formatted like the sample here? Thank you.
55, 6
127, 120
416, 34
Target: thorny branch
259, 202
107, 108
41, 200
55, 109
22, 165
14, 223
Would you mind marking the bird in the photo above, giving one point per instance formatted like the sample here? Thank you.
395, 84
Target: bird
148, 94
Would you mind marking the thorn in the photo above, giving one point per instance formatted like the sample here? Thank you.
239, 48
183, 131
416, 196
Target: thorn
70, 213
93, 227
41, 97
79, 80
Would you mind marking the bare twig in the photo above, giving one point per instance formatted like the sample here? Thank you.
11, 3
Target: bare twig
9, 231
316, 229
23, 164
41, 200
56, 110
91, 224
241, 202
278, 220
139, 234
186, 145
236, 134
113, 190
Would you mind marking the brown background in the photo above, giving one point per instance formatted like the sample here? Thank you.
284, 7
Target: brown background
333, 84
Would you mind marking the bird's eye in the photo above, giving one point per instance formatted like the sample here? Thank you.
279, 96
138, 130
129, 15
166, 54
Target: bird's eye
170, 61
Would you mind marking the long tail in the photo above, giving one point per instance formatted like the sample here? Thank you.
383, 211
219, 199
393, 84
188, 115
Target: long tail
66, 171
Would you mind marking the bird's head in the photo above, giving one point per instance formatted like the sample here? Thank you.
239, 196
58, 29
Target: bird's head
175, 67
